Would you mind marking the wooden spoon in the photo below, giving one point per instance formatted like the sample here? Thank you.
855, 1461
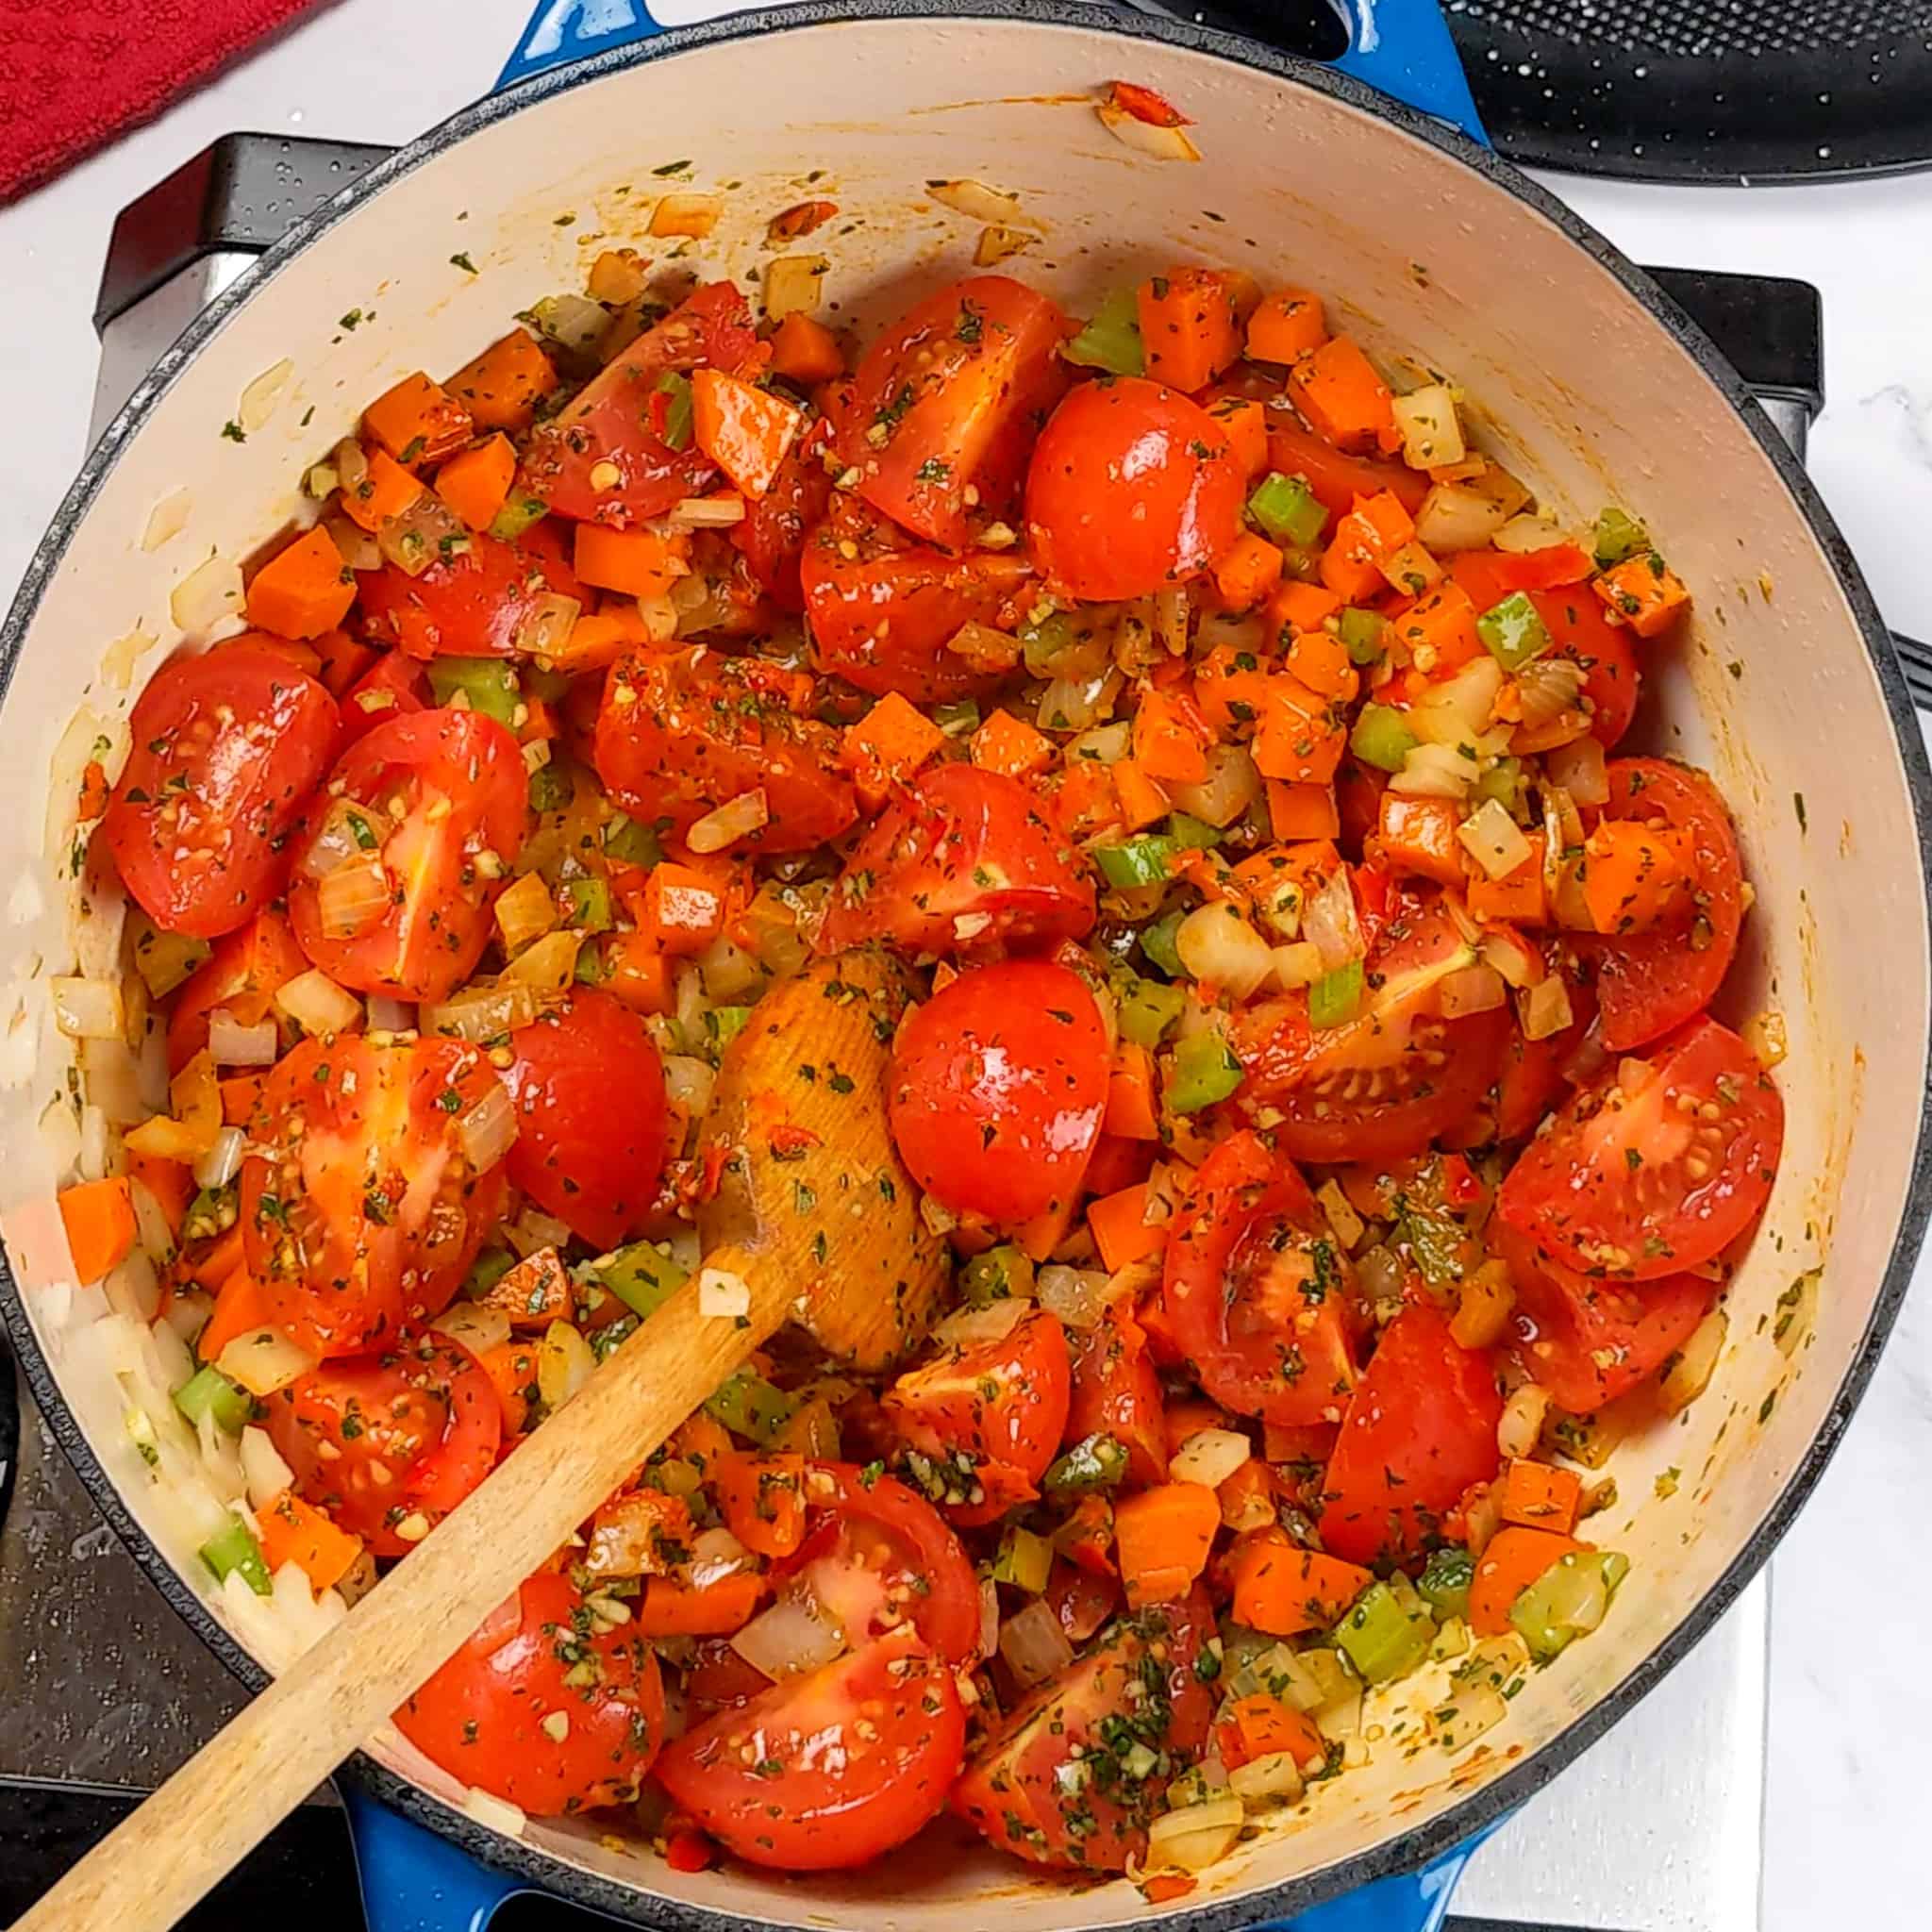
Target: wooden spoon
812, 1211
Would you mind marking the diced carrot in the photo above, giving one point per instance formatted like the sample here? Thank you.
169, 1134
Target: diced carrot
502, 388
1300, 737
304, 590
1085, 802
600, 638
1261, 1725
671, 1610
241, 1096
1300, 1443
241, 1305
1388, 519
1286, 326
1319, 659
1040, 1235
1244, 421
1162, 1537
1539, 1496
637, 972
340, 659
1120, 1231
475, 482
296, 1532
763, 1500
805, 351
1418, 835
745, 430
169, 1183
702, 1439
1085, 1538
889, 744
1511, 1562
1302, 811
1629, 874
1284, 1590
417, 421
99, 1218
1229, 688
1188, 326
512, 1367
1349, 565
1131, 1108
387, 491
1169, 739
1141, 799
1248, 1496
639, 562
683, 909
1644, 593
1294, 605
1247, 572
535, 1292
1518, 897
1337, 389
1009, 744
1163, 1887
1439, 631
94, 793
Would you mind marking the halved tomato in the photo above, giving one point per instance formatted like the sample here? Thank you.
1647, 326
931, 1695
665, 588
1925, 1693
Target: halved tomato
773, 533
964, 862
1257, 1292
227, 746
681, 732
388, 1444
473, 603
830, 1767
1532, 1077
1116, 1392
1658, 1165
241, 978
392, 687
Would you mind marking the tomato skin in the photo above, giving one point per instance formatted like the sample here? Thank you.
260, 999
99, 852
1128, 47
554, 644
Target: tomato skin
681, 732
881, 619
1705, 1129
472, 604
997, 1089
243, 973
1132, 488
610, 422
1649, 982
1010, 1791
227, 745
1421, 1427
838, 1795
422, 1411
950, 397
942, 1410
392, 687
481, 1715
1334, 478
588, 1089
1263, 1320
1532, 1076
356, 1217
1116, 1392
437, 922
918, 876
772, 537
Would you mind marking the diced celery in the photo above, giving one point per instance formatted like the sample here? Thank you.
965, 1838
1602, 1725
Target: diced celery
1052, 637
590, 969
1285, 509
485, 1270
1504, 782
1618, 535
1190, 834
724, 1024
165, 959
1111, 338
1514, 632
641, 1277
1435, 1243
517, 515
1445, 1580
608, 1339
1023, 1560
590, 904
1336, 998
1205, 1070
1381, 1638
1094, 1463
1334, 1681
550, 787
631, 842
1567, 1600
958, 719
674, 425
1382, 738
210, 1393
1157, 943
1146, 860
1360, 632
487, 684
233, 1551
998, 1274
747, 1405
1145, 1010
213, 1212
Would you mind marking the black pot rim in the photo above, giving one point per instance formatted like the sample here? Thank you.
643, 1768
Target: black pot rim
1403, 1851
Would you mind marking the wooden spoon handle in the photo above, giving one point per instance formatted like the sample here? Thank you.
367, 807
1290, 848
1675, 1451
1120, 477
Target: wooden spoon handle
158, 1863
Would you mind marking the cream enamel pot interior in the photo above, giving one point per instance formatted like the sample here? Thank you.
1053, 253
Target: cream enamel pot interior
1580, 377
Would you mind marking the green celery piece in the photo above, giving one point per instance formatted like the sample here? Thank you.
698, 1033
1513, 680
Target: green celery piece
590, 969
1336, 998
724, 1024
550, 787
1545, 1613
1051, 638
165, 959
485, 1270
1144, 861
517, 515
612, 1336
1382, 738
747, 1405
212, 1212
208, 1391
488, 683
1146, 1009
1189, 834
1157, 943
1094, 1463
958, 719
1445, 1580
1023, 1560
1205, 1070
1504, 782
1618, 535
590, 904
1360, 632
234, 1550
676, 432
1111, 338
1514, 632
631, 842
1381, 1638
1287, 510
642, 1278
997, 1276
1433, 1241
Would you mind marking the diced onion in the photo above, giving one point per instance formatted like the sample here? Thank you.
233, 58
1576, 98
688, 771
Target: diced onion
987, 1327
1075, 1296
317, 1005
1545, 1009
223, 1161
481, 1013
687, 214
478, 1327
988, 1616
267, 1475
1474, 1706
358, 548
1431, 430
1512, 955
997, 241
111, 1079
485, 1132
1034, 1645
738, 818
89, 1009
1331, 923
207, 595
1216, 944
722, 1294
167, 520
1494, 840
428, 532
976, 201
729, 974
1209, 1456
1546, 689
794, 284
1105, 744
1297, 965
1474, 989
235, 1045
550, 966
1458, 516
1696, 1361
687, 1082
493, 1813
1578, 768
1525, 533
524, 911
1262, 1780
719, 512
571, 318
1197, 1835
1233, 783
564, 1364
1161, 144
263, 1360
348, 829
354, 897
387, 1015
716, 1554
1435, 771
1765, 1034
1458, 708
258, 402
790, 1637
1073, 703
1521, 1419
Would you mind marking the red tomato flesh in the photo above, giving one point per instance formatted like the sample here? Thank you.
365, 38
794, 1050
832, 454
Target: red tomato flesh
472, 604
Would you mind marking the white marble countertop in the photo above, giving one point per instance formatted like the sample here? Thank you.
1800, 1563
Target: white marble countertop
1845, 1807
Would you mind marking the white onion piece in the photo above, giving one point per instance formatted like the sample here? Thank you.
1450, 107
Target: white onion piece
1209, 1456
1263, 1779
1160, 144
88, 1008
1034, 1645
1458, 708
1076, 1296
705, 514
1073, 703
487, 1132
1545, 1009
1578, 768
1521, 1419
207, 595
167, 520
790, 1637
716, 1554
1196, 1836
318, 1004
793, 283
1474, 989
1431, 430
1105, 744
1696, 1360
348, 829
258, 402
267, 1475
93, 1158
722, 1295
387, 1015
687, 1082
223, 1161
1494, 840
738, 818
1331, 923
151, 1232
263, 1360
235, 1045
1435, 771
1532, 532
354, 897
564, 1364
477, 1326
976, 201
694, 215
1458, 516
478, 1013
997, 241
983, 1327
1217, 945
110, 1077
1233, 783
1297, 965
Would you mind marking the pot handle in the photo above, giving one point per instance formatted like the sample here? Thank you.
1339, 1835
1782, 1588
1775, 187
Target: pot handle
413, 1881
1401, 48
1402, 1902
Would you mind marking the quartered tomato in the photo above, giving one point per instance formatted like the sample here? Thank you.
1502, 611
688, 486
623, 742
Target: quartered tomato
1421, 1427
589, 1088
681, 732
883, 607
228, 747
392, 687
1255, 1292
964, 862
1649, 982
1386, 1083
448, 789
950, 400
514, 1712
1137, 1686
1656, 1166
1334, 478
361, 1211
772, 535
828, 1768
1588, 1341
989, 1409
1116, 1392
240, 977
388, 1444
1132, 489
603, 457
997, 1089
1533, 1079
472, 604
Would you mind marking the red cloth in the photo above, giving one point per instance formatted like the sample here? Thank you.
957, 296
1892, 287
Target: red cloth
75, 72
